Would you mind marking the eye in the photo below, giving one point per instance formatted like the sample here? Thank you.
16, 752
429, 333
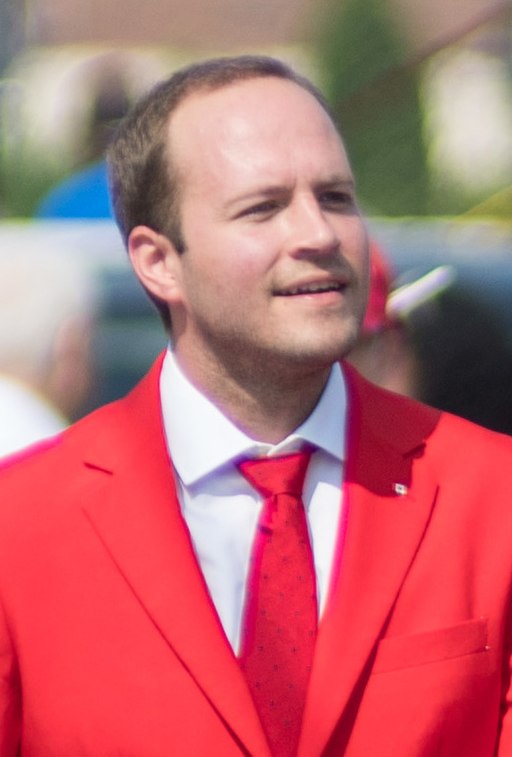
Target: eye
336, 199
260, 210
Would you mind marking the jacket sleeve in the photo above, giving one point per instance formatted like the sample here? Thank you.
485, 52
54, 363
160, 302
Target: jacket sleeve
10, 701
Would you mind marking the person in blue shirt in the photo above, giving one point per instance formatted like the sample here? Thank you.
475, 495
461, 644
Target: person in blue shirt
82, 195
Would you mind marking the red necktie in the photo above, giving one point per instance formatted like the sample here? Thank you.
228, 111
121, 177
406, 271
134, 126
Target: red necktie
280, 617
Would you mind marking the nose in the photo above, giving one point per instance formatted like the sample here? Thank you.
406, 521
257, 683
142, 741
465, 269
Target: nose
311, 228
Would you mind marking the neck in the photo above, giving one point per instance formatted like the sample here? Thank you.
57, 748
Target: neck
265, 405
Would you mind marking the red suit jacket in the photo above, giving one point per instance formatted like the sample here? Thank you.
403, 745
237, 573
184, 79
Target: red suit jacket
109, 643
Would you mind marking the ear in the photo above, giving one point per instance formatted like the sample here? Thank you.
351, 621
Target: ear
156, 263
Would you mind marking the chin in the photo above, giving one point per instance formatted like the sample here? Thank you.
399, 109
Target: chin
318, 356
330, 347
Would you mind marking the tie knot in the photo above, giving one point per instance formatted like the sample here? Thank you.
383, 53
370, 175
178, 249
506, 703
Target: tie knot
271, 476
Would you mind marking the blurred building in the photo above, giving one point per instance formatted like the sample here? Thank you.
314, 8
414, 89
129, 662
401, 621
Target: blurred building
230, 24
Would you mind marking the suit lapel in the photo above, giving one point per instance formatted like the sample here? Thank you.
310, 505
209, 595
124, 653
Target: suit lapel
132, 504
384, 525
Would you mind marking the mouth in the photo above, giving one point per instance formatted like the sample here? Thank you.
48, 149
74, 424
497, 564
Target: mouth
312, 288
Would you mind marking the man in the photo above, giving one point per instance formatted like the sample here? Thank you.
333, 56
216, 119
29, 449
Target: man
132, 612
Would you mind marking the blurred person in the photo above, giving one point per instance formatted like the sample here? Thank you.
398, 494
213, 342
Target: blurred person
84, 194
435, 339
257, 552
46, 313
383, 352
462, 356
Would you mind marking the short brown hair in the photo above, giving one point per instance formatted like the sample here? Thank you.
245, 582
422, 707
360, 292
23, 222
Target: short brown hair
143, 184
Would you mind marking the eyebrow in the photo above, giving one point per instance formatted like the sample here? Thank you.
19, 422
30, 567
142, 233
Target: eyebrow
336, 181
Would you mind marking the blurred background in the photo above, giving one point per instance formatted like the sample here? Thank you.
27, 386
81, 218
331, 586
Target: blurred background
423, 95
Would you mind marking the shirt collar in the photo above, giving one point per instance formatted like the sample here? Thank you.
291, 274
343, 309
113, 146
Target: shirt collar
202, 439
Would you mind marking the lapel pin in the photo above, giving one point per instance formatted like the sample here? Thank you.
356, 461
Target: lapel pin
400, 489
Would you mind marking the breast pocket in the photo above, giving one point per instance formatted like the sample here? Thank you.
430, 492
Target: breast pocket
396, 652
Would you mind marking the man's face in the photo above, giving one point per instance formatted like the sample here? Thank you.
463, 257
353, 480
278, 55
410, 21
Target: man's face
275, 265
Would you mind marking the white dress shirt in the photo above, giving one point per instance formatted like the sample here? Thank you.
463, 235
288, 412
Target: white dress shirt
220, 507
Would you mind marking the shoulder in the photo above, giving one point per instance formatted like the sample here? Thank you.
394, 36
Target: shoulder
118, 436
49, 465
101, 436
45, 488
406, 423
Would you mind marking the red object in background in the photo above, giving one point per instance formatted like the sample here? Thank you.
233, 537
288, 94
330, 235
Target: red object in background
381, 277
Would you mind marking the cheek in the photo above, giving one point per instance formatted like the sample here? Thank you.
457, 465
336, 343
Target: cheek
223, 280
356, 250
230, 260
237, 261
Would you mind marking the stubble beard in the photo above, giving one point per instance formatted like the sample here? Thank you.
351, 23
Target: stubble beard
277, 365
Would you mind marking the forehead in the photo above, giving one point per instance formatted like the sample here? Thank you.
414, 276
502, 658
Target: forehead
252, 124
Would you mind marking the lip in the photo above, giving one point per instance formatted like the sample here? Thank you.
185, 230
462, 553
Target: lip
314, 287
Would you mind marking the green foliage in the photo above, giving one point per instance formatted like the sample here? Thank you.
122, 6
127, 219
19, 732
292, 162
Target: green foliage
26, 172
22, 185
375, 99
358, 43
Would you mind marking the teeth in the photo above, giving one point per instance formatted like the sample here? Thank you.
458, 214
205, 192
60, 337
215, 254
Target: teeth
314, 289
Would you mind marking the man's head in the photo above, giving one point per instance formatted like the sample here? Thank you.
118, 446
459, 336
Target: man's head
48, 306
234, 192
143, 181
